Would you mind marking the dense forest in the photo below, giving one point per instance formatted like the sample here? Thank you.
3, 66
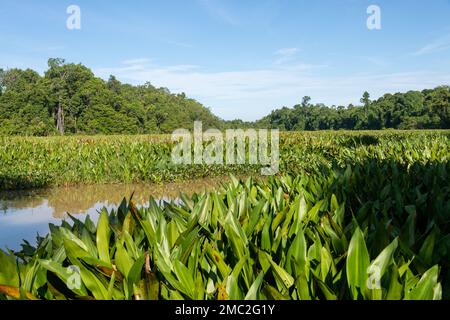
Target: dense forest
69, 99
427, 109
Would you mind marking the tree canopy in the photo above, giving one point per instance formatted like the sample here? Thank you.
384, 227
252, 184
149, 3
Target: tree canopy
427, 109
69, 99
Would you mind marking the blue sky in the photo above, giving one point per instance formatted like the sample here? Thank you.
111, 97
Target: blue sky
242, 58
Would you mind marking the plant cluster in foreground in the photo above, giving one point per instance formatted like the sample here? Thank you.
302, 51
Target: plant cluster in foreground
292, 237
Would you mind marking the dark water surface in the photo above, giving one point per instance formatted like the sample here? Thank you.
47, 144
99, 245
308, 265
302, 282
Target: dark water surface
24, 214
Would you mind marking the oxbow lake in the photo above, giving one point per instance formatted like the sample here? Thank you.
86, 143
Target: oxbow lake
24, 214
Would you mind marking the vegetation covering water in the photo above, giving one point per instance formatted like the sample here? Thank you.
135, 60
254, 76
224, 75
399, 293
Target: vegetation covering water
30, 162
350, 216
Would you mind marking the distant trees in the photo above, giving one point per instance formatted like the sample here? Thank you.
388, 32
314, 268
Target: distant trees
23, 103
411, 110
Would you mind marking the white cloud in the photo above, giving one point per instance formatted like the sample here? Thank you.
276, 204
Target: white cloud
251, 94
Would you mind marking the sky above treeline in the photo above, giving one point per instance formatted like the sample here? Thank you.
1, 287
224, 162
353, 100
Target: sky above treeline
241, 58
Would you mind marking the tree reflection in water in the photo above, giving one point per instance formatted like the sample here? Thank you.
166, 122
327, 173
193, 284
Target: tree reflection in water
79, 199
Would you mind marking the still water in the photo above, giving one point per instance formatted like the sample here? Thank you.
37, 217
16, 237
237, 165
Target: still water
25, 214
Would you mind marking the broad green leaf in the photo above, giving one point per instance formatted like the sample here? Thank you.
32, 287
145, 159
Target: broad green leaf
123, 260
253, 292
357, 263
185, 278
384, 259
297, 252
282, 275
425, 288
426, 251
103, 234
8, 270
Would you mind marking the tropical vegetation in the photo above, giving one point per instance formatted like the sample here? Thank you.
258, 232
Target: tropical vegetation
350, 216
426, 109
69, 99
31, 162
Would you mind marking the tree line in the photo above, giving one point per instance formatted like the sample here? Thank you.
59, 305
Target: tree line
69, 99
427, 109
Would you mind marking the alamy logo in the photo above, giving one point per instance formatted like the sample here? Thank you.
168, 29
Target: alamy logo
229, 148
74, 279
374, 277
374, 19
73, 22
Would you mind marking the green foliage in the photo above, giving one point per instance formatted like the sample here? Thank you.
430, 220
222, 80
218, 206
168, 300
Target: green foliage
427, 109
28, 162
351, 216
69, 99
284, 238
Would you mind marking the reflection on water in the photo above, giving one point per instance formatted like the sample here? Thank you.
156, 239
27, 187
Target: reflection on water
24, 214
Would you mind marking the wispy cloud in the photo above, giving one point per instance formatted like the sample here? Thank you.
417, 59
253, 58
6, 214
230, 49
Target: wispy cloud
287, 51
379, 62
216, 9
137, 61
223, 85
285, 55
437, 45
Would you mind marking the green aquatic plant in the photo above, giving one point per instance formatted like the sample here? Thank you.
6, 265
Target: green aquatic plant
350, 216
32, 162
284, 238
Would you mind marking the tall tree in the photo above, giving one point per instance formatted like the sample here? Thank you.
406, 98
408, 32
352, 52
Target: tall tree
2, 75
365, 100
305, 101
66, 80
58, 75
